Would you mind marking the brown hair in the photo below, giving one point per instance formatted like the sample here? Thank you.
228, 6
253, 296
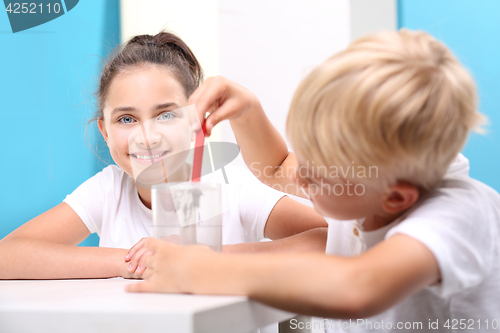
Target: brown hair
164, 49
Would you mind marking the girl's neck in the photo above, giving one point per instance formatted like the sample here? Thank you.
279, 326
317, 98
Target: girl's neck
181, 175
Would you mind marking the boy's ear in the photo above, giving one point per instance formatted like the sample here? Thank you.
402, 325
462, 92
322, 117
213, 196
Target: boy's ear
100, 124
400, 197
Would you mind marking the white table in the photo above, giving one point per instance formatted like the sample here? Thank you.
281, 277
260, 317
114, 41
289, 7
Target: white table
103, 305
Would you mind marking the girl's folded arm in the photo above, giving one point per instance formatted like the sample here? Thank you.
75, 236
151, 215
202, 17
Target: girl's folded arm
45, 248
313, 240
293, 227
290, 217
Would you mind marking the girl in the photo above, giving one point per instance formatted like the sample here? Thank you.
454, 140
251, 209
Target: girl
146, 84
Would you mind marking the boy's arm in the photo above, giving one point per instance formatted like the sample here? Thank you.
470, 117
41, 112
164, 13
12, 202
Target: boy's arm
338, 287
45, 248
262, 147
306, 283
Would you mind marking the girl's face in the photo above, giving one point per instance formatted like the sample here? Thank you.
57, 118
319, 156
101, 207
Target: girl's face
144, 127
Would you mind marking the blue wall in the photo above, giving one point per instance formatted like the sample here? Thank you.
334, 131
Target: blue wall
472, 30
49, 74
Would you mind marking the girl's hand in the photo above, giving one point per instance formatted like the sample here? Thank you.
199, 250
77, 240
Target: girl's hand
135, 256
263, 148
124, 273
168, 266
222, 99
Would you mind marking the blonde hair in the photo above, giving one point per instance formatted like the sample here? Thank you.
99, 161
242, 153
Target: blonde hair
398, 101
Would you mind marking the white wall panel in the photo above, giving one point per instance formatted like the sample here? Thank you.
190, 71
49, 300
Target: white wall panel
267, 46
195, 21
368, 16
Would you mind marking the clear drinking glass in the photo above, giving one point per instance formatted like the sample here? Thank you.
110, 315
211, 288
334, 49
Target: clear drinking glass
188, 213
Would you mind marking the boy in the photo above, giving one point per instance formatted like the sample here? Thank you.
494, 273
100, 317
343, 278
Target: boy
376, 128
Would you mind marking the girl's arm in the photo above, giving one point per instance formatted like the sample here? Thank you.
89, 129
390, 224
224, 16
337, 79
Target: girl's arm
45, 248
313, 240
290, 217
262, 147
293, 227
307, 283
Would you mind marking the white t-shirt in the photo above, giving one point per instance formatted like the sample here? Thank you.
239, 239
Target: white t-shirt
109, 205
460, 224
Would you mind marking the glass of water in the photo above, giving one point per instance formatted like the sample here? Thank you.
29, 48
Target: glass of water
188, 213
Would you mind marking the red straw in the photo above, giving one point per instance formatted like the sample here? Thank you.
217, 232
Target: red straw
198, 153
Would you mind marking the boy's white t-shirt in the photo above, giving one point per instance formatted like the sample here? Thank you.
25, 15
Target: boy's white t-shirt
459, 222
109, 205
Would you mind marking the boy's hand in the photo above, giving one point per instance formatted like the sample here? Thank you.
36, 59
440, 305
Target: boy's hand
222, 99
167, 266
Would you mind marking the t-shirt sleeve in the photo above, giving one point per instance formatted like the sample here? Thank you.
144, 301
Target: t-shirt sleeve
88, 200
256, 201
456, 227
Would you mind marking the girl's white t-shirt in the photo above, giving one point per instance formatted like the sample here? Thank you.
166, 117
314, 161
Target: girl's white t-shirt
109, 205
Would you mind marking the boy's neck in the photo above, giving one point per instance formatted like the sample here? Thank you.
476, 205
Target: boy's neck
378, 221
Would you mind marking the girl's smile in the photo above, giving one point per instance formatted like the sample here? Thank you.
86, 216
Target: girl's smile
149, 157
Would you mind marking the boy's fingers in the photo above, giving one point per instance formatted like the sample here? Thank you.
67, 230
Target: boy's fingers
194, 100
223, 112
210, 95
214, 107
193, 116
199, 91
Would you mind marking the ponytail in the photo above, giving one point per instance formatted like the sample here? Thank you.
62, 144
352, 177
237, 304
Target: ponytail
172, 43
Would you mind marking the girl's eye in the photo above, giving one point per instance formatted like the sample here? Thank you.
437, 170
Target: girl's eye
167, 116
126, 120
